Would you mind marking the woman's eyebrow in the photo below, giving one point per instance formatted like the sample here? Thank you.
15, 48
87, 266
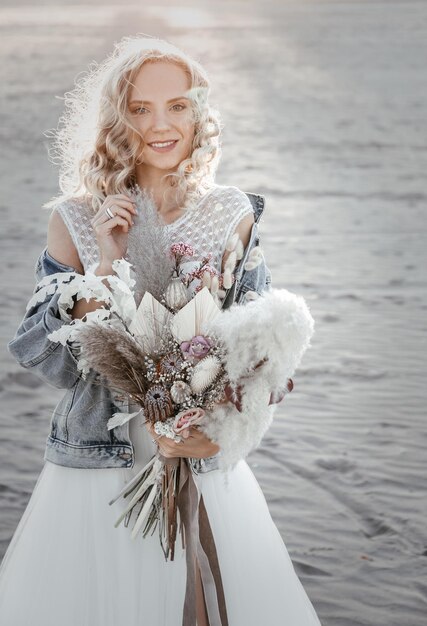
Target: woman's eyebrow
148, 102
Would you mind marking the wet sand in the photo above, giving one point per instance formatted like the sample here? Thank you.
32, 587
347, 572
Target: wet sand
324, 112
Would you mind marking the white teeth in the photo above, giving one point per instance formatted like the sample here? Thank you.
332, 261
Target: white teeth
162, 145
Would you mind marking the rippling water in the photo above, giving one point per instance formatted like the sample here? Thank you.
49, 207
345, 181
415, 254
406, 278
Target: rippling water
324, 111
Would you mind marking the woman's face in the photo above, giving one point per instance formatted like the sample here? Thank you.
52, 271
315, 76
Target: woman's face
162, 113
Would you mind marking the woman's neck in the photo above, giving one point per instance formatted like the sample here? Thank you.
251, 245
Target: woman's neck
163, 193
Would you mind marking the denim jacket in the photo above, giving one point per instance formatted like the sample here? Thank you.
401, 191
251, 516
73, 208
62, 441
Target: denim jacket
78, 431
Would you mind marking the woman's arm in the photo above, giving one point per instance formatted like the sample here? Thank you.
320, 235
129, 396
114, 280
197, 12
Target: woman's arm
243, 229
61, 247
53, 362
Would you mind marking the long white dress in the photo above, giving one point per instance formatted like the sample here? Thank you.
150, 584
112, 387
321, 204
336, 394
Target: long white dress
67, 564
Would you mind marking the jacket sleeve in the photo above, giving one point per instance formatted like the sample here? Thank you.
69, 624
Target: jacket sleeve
51, 361
257, 279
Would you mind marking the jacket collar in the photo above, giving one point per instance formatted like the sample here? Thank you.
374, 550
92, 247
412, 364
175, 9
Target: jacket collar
258, 203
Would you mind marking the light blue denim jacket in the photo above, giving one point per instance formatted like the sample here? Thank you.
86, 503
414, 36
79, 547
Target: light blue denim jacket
78, 435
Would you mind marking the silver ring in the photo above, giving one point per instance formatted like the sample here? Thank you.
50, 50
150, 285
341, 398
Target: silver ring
109, 212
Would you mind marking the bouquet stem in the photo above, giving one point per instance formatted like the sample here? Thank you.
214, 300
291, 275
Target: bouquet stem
161, 489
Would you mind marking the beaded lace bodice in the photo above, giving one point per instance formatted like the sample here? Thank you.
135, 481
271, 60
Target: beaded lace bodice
207, 228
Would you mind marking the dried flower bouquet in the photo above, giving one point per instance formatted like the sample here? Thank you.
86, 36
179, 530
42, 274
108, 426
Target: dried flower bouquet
178, 359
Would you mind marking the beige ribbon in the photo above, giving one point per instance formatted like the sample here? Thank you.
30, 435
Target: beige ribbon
198, 541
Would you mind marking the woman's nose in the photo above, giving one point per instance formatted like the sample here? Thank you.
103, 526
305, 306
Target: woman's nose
161, 121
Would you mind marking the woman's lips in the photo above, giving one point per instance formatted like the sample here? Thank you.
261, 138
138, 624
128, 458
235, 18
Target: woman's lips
164, 148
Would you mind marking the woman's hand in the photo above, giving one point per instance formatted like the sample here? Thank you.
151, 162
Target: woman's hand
195, 445
236, 396
112, 232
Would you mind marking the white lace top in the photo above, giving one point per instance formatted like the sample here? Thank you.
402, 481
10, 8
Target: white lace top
207, 228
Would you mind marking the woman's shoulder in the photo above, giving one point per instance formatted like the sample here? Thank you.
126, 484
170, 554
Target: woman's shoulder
230, 190
76, 212
232, 198
73, 205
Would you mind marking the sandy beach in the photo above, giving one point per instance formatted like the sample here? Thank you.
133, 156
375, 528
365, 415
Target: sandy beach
323, 104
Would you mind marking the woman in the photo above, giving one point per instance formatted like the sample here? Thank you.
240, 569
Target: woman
139, 129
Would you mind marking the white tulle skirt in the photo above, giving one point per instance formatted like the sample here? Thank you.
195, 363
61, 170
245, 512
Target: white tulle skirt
67, 564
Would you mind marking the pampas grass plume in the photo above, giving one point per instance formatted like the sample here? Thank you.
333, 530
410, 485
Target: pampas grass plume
117, 356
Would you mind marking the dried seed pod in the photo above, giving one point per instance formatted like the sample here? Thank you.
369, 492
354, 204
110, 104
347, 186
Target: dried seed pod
180, 391
176, 294
171, 363
158, 404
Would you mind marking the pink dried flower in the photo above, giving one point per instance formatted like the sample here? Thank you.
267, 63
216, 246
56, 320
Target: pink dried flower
181, 249
198, 273
187, 418
198, 347
208, 268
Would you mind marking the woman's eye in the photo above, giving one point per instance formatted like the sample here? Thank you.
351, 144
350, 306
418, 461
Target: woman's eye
140, 109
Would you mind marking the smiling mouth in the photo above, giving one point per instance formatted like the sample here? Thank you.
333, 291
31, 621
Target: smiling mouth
163, 146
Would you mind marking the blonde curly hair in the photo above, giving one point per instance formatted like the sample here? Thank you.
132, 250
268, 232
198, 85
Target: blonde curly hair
97, 145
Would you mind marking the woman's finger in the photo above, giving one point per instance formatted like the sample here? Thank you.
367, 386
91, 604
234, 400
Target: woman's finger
117, 210
113, 201
118, 199
122, 196
102, 216
107, 226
